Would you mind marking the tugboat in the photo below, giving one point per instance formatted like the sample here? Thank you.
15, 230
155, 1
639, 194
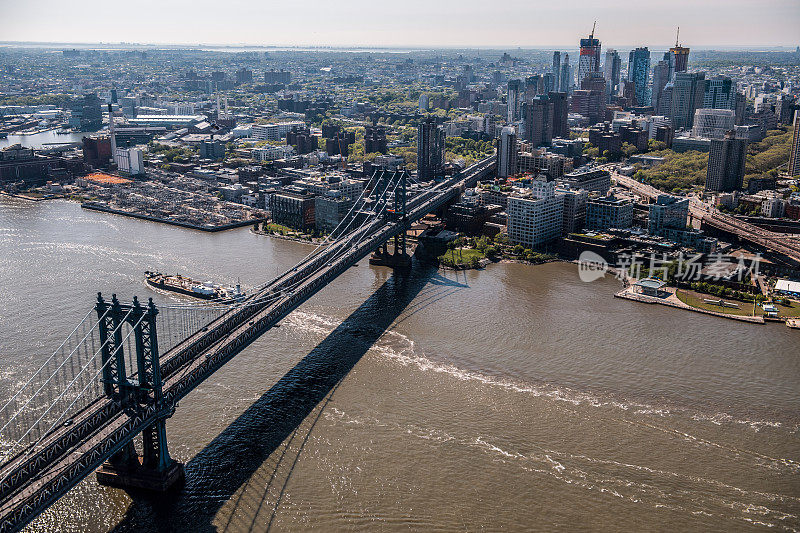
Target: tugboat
189, 287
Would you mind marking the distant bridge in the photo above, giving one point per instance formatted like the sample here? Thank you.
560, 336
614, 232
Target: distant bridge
125, 367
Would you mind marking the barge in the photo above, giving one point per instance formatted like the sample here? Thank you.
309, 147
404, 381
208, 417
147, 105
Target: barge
196, 289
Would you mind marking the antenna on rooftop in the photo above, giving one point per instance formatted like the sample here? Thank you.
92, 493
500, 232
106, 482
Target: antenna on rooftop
676, 37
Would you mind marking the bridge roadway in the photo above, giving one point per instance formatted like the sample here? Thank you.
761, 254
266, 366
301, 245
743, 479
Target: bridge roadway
70, 453
769, 240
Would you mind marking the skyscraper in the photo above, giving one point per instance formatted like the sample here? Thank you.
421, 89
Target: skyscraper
565, 79
726, 164
639, 73
424, 100
713, 123
507, 153
589, 103
794, 153
678, 58
535, 216
665, 101
560, 114
374, 140
430, 149
86, 113
548, 82
784, 108
244, 75
660, 80
513, 99
538, 117
589, 60
534, 85
688, 92
556, 69
594, 81
611, 70
720, 93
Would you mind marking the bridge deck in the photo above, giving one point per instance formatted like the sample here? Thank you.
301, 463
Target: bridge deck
72, 452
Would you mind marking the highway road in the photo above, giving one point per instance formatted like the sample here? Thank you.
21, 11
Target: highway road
707, 214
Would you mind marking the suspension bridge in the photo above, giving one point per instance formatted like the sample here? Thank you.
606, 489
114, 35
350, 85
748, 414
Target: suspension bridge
110, 386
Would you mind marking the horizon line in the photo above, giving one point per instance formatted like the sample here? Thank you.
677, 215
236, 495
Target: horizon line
406, 47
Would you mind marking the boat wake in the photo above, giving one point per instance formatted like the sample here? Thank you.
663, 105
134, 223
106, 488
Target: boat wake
398, 348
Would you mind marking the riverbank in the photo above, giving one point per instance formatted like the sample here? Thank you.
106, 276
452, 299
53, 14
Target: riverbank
453, 395
480, 265
23, 196
210, 229
34, 198
670, 299
506, 260
286, 237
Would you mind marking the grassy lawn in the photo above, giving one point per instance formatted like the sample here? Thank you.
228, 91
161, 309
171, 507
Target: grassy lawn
790, 311
696, 299
461, 256
283, 230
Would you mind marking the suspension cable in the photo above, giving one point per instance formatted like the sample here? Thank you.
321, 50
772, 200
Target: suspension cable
45, 363
108, 339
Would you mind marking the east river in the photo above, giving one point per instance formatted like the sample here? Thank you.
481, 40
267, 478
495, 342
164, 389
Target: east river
44, 139
513, 398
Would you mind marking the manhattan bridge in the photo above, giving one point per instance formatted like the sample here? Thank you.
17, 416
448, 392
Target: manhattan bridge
120, 373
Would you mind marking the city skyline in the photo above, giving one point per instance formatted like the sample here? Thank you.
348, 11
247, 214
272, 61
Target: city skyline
460, 266
447, 24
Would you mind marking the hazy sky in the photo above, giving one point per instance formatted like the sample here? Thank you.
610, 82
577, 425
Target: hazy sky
462, 23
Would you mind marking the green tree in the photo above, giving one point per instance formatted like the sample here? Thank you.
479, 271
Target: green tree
628, 149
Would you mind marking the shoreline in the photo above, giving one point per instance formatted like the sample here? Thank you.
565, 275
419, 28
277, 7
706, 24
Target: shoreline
284, 237
483, 263
209, 229
33, 198
627, 294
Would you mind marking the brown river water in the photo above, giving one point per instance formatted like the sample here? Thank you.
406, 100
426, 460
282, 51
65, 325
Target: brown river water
514, 398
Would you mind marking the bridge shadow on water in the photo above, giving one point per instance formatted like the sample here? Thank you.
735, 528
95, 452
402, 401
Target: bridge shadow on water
237, 482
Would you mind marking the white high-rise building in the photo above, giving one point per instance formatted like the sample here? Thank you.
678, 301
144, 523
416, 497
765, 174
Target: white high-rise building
535, 215
513, 100
275, 132
180, 109
270, 153
129, 160
507, 153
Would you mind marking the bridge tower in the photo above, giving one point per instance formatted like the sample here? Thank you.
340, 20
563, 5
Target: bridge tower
140, 395
400, 211
387, 182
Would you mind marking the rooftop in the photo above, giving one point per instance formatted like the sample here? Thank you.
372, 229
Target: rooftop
108, 179
650, 283
787, 285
